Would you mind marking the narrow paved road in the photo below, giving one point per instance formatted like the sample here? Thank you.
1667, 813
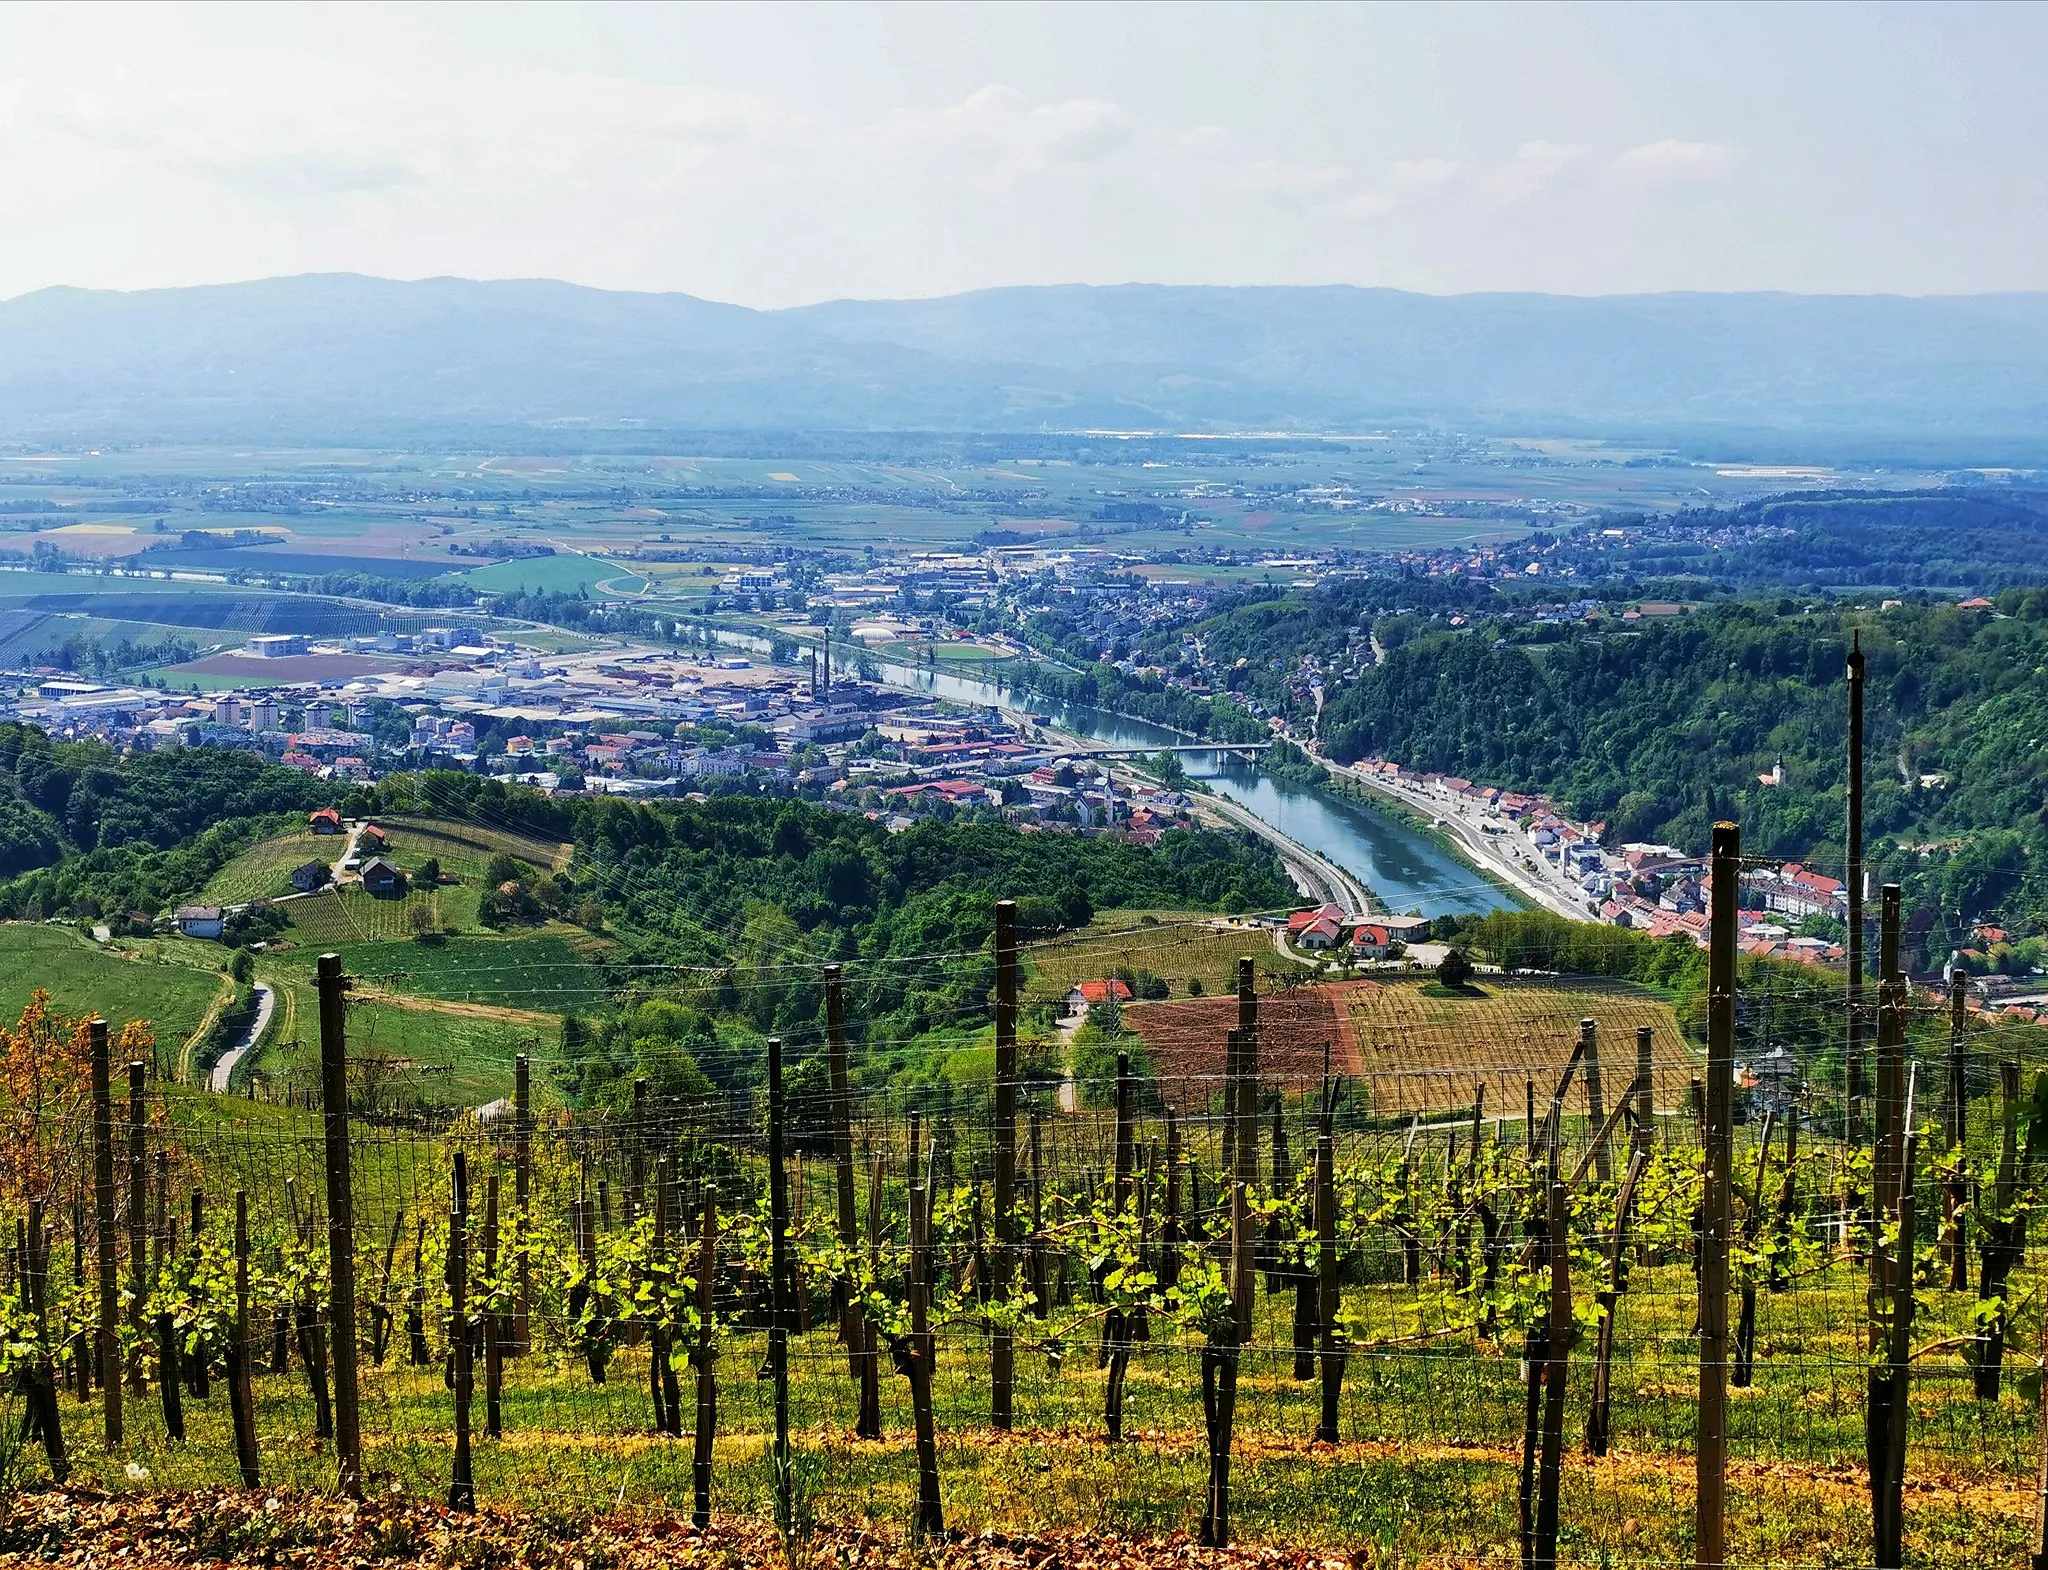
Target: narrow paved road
266, 1000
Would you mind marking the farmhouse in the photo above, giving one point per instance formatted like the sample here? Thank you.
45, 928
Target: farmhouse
1090, 993
382, 879
201, 921
324, 820
372, 841
311, 875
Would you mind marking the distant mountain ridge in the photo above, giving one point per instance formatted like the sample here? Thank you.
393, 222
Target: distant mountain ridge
341, 357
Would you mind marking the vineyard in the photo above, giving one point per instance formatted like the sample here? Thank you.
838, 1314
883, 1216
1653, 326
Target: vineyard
1587, 1293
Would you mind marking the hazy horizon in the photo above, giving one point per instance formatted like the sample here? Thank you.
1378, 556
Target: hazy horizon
791, 155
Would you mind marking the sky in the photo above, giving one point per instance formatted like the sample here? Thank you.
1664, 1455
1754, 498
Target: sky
775, 155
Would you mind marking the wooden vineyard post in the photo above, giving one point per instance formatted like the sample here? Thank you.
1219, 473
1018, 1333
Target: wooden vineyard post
1955, 1195
109, 1343
1332, 1359
1219, 1381
1852, 875
2037, 1538
778, 1287
138, 1220
42, 1375
1244, 1285
341, 1224
1597, 1424
520, 1342
930, 1520
870, 1339
1116, 1324
1596, 1099
1999, 1247
241, 1398
1711, 1464
1646, 1096
494, 1343
462, 1485
1557, 1362
636, 1156
1169, 1223
1888, 1266
704, 1357
170, 1377
842, 1163
1003, 1346
668, 1226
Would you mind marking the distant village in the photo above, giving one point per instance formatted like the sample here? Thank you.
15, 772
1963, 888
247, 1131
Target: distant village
640, 724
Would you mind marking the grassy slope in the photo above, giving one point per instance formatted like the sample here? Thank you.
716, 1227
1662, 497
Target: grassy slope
169, 990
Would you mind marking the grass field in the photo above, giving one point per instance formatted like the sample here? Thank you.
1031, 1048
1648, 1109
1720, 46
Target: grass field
1180, 948
464, 849
84, 977
263, 871
560, 574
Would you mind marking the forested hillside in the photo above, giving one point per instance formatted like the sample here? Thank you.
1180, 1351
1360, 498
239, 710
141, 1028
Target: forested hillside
1661, 727
85, 830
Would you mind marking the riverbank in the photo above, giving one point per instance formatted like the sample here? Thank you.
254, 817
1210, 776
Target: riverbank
1336, 848
1481, 852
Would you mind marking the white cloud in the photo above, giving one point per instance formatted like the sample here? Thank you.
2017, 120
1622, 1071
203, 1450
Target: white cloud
1670, 162
1534, 167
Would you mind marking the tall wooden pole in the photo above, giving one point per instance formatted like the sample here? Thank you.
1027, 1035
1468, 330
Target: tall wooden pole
138, 1217
241, 1397
1955, 1193
1646, 1095
1710, 1522
462, 1485
778, 1280
522, 1202
109, 1243
1596, 1099
1003, 1349
842, 1150
705, 1356
1852, 874
341, 1224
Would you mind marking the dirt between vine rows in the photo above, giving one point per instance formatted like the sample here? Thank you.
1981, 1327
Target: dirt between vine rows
142, 1531
1300, 1030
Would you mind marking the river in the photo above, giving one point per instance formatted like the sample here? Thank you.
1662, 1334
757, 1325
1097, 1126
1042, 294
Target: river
1405, 870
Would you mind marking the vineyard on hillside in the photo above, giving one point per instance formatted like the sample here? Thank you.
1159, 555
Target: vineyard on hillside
1482, 1294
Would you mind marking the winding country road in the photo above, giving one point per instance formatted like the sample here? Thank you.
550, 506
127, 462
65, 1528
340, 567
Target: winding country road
266, 1001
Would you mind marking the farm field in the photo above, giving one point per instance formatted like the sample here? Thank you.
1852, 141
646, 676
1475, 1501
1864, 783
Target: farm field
85, 977
1180, 948
349, 915
464, 849
1422, 1053
264, 870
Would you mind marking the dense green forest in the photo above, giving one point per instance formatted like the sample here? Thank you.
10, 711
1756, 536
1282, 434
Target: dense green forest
1660, 729
85, 830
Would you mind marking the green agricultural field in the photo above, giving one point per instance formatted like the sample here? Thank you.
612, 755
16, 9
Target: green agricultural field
561, 573
449, 1053
84, 977
1179, 948
549, 971
464, 849
263, 871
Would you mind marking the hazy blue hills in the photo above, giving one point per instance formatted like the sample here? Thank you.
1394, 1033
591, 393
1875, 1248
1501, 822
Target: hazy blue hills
341, 358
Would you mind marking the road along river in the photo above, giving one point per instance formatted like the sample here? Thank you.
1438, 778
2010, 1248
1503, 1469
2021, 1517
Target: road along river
1405, 870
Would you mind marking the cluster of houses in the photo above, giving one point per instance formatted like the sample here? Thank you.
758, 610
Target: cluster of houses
1323, 928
